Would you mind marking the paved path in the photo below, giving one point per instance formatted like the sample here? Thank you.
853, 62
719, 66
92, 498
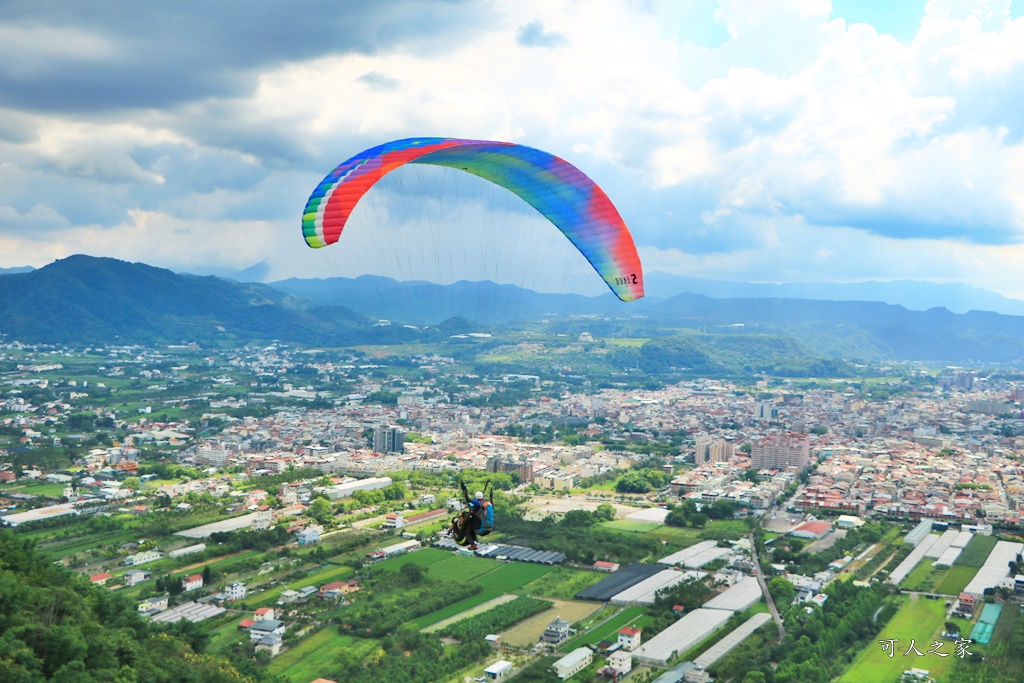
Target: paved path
764, 589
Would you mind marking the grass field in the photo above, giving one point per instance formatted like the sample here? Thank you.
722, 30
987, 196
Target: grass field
506, 578
955, 580
976, 552
424, 558
630, 525
459, 568
918, 620
684, 537
562, 583
922, 577
318, 578
311, 659
456, 608
606, 631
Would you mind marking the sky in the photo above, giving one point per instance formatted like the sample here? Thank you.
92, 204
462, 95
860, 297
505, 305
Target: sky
750, 140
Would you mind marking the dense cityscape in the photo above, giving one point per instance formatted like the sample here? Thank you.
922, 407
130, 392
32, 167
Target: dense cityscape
290, 455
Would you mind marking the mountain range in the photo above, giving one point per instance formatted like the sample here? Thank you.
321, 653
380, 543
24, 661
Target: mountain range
83, 299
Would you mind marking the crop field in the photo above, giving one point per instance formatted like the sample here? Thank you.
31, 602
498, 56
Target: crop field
226, 632
471, 611
607, 630
630, 525
918, 620
506, 578
956, 579
326, 575
923, 577
311, 659
459, 568
424, 558
456, 608
562, 583
529, 632
976, 552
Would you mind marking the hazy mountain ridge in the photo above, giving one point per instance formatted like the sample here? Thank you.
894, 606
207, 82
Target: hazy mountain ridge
913, 294
88, 299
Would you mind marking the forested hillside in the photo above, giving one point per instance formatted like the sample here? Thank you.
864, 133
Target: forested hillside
57, 627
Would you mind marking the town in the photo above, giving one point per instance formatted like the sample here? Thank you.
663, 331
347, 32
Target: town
279, 498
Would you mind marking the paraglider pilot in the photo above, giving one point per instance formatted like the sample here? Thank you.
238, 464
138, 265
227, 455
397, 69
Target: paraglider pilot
476, 520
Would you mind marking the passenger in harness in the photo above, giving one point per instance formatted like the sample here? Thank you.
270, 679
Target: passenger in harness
476, 518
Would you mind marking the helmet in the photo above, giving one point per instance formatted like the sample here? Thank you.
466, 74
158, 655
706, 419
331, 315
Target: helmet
479, 495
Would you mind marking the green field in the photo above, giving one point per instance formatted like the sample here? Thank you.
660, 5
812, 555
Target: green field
311, 658
323, 576
562, 583
630, 525
43, 488
459, 568
919, 620
976, 552
456, 608
506, 578
226, 633
423, 558
923, 577
955, 580
607, 630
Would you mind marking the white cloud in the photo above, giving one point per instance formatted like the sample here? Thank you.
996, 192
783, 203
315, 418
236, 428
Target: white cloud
799, 148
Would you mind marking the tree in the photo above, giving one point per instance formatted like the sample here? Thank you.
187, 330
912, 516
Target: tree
578, 518
320, 509
411, 572
395, 491
605, 512
133, 483
698, 520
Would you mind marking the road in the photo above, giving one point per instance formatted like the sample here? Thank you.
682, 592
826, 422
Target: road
764, 588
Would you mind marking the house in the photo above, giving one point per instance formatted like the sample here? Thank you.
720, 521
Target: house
602, 566
629, 638
498, 671
246, 624
306, 592
288, 596
620, 662
557, 632
393, 520
141, 558
310, 534
191, 583
812, 530
270, 643
965, 606
265, 627
235, 591
134, 577
265, 613
100, 579
337, 589
493, 640
159, 604
574, 662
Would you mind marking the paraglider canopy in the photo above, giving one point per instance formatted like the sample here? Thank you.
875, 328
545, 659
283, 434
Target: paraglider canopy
562, 193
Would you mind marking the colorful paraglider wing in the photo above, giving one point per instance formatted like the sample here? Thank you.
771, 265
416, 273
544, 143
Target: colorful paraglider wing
557, 189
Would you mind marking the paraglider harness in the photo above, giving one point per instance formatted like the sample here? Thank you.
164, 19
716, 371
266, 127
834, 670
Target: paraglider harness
473, 520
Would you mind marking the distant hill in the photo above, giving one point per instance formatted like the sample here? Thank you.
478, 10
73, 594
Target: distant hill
82, 299
913, 294
855, 329
427, 303
14, 271
87, 299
